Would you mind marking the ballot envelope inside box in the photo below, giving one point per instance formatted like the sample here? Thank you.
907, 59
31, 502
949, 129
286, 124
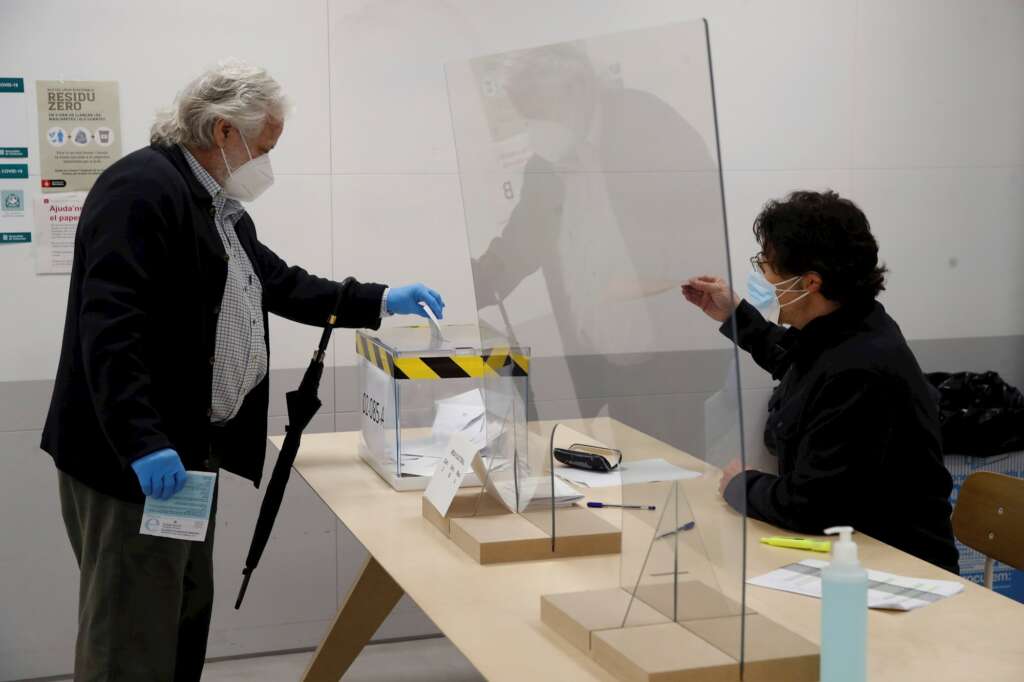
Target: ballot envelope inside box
421, 384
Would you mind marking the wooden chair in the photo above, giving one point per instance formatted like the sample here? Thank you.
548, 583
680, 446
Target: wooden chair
989, 517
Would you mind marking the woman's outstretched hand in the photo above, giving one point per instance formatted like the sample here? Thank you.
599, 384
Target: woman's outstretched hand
712, 295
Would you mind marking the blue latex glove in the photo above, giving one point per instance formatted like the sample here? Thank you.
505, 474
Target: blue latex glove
160, 473
406, 301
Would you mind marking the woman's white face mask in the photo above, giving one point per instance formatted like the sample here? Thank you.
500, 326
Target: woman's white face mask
251, 179
764, 295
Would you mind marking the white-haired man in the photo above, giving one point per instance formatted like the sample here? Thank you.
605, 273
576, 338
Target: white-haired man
163, 367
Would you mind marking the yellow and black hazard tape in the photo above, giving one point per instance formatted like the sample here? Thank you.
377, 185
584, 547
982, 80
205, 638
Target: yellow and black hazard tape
499, 361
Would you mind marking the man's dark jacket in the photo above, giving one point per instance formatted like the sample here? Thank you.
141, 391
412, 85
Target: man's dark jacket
136, 364
855, 428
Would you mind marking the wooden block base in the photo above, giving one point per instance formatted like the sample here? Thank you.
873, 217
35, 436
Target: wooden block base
662, 653
703, 648
770, 651
577, 615
693, 600
465, 504
493, 535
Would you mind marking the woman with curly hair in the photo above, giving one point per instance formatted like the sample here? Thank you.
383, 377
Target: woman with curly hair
852, 422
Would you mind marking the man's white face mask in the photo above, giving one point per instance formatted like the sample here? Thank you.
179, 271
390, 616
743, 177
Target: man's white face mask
249, 180
549, 140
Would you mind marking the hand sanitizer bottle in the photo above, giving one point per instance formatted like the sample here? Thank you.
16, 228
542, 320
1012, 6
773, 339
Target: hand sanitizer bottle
844, 612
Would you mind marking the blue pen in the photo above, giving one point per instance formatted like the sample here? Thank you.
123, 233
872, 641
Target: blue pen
685, 527
603, 505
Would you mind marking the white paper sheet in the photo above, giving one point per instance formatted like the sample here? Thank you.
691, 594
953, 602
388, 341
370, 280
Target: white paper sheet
462, 414
885, 590
533, 492
638, 471
420, 458
56, 222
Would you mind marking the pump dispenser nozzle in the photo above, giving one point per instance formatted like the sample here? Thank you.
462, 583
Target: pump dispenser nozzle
844, 550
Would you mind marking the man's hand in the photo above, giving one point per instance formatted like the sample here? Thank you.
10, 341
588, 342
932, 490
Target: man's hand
406, 301
160, 474
731, 471
711, 295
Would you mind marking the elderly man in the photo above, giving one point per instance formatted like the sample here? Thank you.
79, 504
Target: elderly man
163, 367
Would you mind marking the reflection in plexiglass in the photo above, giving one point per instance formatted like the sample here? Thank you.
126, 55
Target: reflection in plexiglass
591, 188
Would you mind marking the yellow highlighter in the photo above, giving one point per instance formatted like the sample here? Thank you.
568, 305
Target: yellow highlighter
799, 543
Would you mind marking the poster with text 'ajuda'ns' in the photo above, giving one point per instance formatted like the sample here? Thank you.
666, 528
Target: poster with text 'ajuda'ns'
79, 132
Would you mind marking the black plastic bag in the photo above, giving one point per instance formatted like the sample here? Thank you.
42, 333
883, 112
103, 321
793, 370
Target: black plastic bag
980, 414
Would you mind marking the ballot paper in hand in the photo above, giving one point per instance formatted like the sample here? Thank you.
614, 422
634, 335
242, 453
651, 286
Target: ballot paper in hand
885, 590
437, 338
185, 516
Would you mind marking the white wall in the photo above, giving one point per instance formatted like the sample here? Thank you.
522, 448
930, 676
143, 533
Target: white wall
913, 108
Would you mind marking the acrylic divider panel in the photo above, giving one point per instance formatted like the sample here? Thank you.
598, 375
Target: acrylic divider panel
591, 190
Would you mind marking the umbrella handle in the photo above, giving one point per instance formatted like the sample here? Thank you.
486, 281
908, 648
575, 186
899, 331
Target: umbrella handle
325, 336
246, 573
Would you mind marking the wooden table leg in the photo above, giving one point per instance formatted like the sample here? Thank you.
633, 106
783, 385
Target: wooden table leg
369, 602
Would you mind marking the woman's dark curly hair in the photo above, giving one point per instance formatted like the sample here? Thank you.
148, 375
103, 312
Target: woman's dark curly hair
826, 234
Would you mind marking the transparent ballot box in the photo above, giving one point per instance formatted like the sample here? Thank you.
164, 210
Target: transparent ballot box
419, 385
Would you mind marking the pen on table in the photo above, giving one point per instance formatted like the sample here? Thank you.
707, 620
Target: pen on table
604, 505
799, 543
685, 527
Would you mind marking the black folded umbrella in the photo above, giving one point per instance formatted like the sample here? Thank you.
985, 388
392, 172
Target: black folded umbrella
303, 404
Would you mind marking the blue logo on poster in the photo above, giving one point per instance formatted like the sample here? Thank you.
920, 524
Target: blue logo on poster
13, 200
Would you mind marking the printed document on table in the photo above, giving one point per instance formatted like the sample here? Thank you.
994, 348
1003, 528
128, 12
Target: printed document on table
885, 590
185, 516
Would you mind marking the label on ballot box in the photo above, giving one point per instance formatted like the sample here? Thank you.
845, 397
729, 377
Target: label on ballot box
376, 409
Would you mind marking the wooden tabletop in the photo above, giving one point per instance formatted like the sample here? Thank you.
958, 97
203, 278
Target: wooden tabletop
492, 613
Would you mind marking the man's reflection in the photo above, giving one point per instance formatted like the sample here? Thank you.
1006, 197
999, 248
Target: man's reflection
619, 191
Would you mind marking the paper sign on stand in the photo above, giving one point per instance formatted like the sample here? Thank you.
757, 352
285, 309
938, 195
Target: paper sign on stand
450, 472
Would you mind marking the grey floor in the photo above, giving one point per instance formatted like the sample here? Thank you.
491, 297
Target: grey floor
422, 660
414, 661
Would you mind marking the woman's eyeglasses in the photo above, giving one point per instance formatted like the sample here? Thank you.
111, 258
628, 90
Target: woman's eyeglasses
757, 262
